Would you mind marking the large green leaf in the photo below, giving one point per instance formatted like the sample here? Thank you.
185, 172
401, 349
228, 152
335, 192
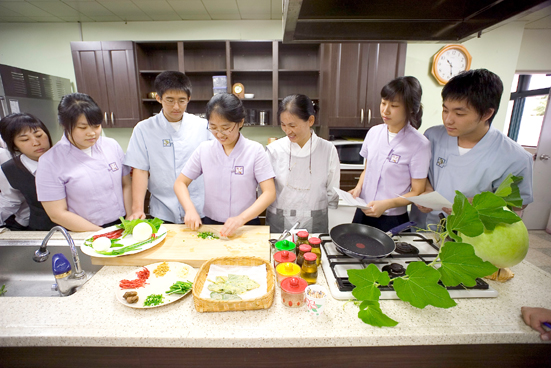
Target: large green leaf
420, 288
366, 282
464, 218
492, 211
460, 265
371, 313
509, 191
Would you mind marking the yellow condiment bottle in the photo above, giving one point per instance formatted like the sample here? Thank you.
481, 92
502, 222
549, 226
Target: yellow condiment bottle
316, 249
309, 271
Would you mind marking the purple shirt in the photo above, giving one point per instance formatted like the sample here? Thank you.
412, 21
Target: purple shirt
230, 181
92, 186
391, 166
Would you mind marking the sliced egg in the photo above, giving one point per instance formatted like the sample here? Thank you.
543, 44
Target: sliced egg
101, 244
142, 231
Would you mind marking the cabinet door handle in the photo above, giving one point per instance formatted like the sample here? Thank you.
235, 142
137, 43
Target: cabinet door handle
368, 116
106, 119
361, 116
356, 178
112, 118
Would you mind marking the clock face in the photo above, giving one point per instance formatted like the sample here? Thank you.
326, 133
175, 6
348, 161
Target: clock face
238, 89
451, 63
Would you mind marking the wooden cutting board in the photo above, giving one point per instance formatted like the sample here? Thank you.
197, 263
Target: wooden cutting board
182, 245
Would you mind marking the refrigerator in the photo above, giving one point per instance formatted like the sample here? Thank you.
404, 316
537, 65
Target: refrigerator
39, 94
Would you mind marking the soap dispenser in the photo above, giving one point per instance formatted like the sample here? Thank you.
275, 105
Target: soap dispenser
61, 268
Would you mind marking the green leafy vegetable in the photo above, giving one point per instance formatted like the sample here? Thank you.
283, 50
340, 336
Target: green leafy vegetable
460, 265
180, 287
153, 299
3, 290
457, 263
116, 252
367, 282
371, 313
128, 225
491, 210
207, 235
509, 191
464, 218
420, 287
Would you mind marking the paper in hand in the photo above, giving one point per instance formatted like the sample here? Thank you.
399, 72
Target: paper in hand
432, 200
350, 200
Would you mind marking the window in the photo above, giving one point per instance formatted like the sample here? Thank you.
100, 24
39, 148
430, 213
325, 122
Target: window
526, 107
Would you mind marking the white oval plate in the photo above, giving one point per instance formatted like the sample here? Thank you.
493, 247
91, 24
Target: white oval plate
128, 240
157, 285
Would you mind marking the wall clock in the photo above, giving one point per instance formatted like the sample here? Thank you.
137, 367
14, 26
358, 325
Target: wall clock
450, 61
239, 90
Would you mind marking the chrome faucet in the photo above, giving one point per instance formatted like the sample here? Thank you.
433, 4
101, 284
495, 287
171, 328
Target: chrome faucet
68, 283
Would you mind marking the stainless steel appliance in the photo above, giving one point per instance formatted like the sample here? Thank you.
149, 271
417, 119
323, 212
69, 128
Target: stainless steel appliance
410, 247
263, 117
39, 94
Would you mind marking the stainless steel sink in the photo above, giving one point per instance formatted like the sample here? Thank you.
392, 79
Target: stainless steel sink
23, 277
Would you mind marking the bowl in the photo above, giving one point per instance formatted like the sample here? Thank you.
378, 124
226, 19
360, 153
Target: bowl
249, 95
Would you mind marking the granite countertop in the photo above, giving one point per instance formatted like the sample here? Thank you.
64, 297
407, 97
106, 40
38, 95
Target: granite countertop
93, 317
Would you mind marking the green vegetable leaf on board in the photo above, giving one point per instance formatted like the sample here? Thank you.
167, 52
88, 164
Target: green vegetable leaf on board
463, 219
491, 210
460, 265
128, 225
371, 313
509, 191
367, 281
421, 287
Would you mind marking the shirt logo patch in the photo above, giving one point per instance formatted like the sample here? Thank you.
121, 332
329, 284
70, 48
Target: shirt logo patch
239, 170
113, 166
167, 143
441, 162
394, 158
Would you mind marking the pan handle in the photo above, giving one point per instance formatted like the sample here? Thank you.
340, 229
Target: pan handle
400, 228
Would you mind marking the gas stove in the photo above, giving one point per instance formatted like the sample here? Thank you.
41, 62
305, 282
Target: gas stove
410, 247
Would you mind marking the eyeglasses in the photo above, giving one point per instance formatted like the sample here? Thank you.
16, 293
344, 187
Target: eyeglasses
222, 131
171, 102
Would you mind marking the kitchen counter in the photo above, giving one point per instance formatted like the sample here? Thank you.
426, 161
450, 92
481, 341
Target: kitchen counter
94, 318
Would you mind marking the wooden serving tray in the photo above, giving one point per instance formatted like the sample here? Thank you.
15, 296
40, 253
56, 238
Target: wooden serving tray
182, 245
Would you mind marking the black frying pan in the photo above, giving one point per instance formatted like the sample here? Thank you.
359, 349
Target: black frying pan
365, 242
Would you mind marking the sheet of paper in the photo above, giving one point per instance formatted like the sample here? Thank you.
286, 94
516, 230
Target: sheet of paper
347, 197
432, 200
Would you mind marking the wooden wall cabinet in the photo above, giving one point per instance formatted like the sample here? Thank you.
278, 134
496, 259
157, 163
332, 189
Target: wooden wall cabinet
268, 69
106, 71
356, 73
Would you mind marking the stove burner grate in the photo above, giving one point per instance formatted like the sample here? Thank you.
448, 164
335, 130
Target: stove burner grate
394, 270
406, 248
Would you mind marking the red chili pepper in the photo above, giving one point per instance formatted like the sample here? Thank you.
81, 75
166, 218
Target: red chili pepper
111, 235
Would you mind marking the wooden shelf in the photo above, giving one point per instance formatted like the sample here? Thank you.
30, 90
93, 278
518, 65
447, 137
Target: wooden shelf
268, 69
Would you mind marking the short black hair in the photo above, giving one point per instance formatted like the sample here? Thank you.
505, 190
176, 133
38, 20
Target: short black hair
14, 124
72, 106
227, 106
172, 80
408, 90
298, 105
481, 88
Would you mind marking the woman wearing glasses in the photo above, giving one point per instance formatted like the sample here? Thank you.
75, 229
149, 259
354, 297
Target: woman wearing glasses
232, 167
306, 167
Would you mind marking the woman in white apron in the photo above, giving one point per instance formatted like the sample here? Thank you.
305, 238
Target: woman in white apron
397, 157
306, 168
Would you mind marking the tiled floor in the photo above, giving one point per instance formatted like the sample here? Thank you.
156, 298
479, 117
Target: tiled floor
539, 253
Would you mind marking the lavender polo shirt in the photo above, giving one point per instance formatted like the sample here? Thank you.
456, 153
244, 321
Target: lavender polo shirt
230, 181
92, 186
391, 166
